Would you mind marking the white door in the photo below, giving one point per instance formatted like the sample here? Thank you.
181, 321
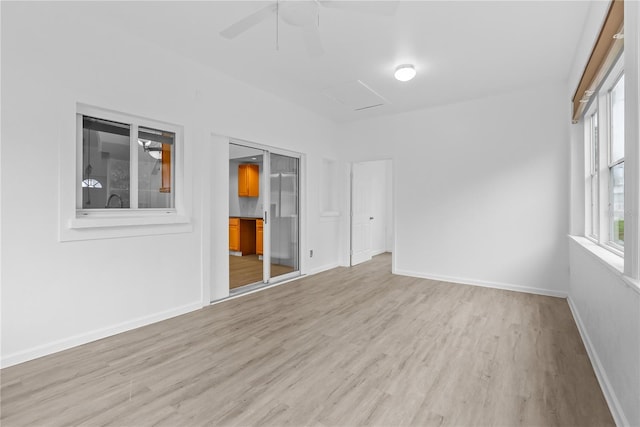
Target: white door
379, 200
361, 212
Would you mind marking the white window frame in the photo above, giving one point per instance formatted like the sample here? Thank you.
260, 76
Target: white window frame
593, 176
601, 107
610, 165
77, 223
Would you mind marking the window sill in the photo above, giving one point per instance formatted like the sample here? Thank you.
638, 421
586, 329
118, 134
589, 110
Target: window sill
613, 261
102, 221
632, 283
99, 226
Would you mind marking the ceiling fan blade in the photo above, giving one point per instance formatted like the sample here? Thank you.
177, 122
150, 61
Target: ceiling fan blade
312, 40
246, 23
384, 8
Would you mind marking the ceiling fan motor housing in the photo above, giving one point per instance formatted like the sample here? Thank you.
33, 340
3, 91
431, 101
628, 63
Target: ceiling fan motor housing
298, 13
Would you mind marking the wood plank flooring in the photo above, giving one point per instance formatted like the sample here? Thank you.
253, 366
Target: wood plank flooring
348, 347
247, 269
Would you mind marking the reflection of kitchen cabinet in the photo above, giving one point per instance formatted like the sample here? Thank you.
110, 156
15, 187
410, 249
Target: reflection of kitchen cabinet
234, 234
248, 180
259, 231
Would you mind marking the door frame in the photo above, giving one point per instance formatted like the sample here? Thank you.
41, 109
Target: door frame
390, 198
266, 187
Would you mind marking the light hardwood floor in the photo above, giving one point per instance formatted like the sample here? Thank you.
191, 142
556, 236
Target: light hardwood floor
346, 347
244, 270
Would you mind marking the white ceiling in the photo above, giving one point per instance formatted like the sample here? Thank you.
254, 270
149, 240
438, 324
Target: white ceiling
461, 49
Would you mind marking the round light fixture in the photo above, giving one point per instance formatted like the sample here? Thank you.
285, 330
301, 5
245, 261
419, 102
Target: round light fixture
405, 72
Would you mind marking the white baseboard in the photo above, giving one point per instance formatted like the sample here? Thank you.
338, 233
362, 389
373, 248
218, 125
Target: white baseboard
601, 375
323, 268
484, 283
66, 343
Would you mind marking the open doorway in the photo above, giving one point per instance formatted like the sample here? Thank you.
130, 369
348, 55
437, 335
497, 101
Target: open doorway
371, 210
264, 205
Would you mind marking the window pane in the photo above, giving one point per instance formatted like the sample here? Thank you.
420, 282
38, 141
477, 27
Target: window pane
617, 204
105, 164
617, 121
155, 168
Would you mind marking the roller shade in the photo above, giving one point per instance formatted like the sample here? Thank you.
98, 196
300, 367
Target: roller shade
608, 46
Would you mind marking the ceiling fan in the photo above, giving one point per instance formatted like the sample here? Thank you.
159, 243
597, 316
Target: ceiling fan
305, 15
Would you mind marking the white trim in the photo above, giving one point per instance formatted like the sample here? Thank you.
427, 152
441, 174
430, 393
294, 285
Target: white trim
483, 283
264, 147
632, 283
215, 219
84, 338
609, 394
133, 167
323, 268
76, 224
78, 162
377, 252
632, 139
266, 218
302, 214
96, 221
611, 260
130, 230
257, 289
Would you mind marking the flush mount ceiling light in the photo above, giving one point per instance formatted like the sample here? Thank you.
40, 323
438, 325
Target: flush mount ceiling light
405, 72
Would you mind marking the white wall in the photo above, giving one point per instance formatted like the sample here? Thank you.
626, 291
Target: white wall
607, 312
605, 303
480, 188
58, 294
390, 235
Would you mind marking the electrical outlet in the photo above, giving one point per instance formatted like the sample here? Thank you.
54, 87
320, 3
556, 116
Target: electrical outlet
311, 253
